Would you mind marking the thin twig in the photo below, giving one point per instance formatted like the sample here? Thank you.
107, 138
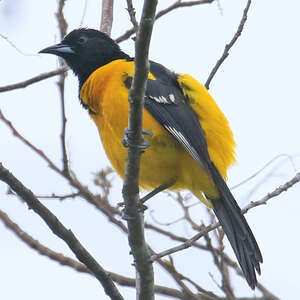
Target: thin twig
175, 5
180, 4
258, 184
83, 13
215, 225
32, 80
131, 12
105, 23
169, 267
229, 46
263, 168
275, 193
107, 16
62, 24
187, 215
120, 279
267, 295
15, 46
75, 265
226, 286
204, 293
165, 223
98, 202
60, 197
188, 243
41, 249
179, 279
61, 231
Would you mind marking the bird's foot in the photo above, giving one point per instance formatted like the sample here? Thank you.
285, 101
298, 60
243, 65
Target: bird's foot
127, 140
125, 216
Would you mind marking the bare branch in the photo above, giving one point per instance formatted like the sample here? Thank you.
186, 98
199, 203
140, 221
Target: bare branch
275, 193
107, 16
187, 216
131, 11
83, 12
15, 46
166, 223
32, 80
229, 46
179, 279
58, 229
179, 4
41, 249
67, 261
62, 24
121, 280
27, 143
59, 197
188, 243
175, 5
263, 168
135, 220
267, 295
226, 286
204, 231
97, 201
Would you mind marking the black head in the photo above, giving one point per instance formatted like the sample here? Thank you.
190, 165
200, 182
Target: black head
85, 50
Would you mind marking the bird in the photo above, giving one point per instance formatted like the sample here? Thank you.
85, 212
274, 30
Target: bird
191, 145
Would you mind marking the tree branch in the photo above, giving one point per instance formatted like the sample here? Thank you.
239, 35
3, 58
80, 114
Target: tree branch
41, 249
12, 44
179, 279
62, 232
219, 262
287, 156
175, 5
212, 226
275, 193
79, 267
62, 24
131, 12
105, 27
179, 4
98, 202
188, 243
229, 46
32, 80
107, 16
59, 197
135, 220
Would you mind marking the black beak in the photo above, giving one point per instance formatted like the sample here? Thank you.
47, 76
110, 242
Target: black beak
59, 50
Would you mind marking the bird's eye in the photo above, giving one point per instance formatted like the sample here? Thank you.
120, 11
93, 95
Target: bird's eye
82, 40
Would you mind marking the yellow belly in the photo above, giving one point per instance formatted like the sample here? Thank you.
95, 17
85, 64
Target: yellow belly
163, 148
165, 160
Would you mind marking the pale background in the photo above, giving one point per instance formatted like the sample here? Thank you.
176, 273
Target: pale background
257, 88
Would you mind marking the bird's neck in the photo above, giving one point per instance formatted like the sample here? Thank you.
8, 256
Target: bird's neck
84, 72
93, 91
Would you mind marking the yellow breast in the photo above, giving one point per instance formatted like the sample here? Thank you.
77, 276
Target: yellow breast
165, 160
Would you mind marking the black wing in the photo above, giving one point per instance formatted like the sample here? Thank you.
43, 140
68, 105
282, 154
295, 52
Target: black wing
165, 101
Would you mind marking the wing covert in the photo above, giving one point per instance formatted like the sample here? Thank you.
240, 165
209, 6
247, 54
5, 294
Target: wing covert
165, 101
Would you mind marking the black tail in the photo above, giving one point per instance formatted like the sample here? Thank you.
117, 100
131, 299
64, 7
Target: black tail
237, 230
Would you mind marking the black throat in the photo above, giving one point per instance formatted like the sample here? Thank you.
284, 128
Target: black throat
84, 69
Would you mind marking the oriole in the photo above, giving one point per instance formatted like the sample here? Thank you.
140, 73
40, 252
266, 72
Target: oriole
192, 145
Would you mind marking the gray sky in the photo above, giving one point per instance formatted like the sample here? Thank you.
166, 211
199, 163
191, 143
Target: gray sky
257, 89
